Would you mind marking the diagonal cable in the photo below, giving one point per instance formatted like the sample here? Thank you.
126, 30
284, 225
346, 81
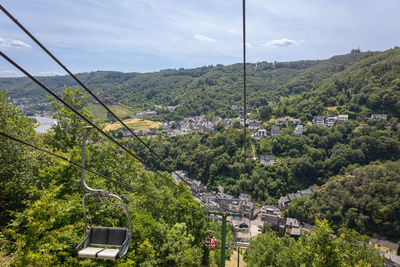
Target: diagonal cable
91, 171
90, 92
86, 119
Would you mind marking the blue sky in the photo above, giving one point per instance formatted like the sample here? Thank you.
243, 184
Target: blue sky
149, 35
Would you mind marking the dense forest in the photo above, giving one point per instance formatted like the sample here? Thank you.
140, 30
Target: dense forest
319, 248
366, 199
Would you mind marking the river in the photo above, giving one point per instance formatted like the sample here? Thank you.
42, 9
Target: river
45, 123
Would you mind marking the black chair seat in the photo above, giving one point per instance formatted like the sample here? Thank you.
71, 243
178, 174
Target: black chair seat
107, 236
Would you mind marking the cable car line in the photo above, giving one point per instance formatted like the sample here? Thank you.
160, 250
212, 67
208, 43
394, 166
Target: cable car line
244, 80
88, 90
97, 99
92, 171
86, 119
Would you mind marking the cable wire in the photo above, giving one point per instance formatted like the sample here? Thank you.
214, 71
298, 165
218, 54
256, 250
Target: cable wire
244, 79
89, 91
91, 171
100, 102
86, 119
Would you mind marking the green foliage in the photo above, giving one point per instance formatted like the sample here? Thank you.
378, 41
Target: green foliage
68, 132
366, 200
319, 248
17, 165
265, 113
47, 223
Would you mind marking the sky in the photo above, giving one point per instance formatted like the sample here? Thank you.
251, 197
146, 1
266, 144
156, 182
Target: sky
150, 35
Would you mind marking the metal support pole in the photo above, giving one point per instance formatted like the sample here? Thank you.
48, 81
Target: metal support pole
238, 256
223, 240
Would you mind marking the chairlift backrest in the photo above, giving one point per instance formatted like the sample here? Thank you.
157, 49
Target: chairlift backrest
107, 236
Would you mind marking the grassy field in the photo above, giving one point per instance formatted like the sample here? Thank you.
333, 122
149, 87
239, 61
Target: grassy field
120, 110
135, 124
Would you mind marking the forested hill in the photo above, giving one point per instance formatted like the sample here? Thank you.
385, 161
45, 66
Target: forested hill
204, 90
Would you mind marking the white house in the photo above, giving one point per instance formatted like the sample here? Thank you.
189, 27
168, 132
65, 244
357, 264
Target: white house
377, 117
318, 120
343, 118
299, 129
330, 121
262, 132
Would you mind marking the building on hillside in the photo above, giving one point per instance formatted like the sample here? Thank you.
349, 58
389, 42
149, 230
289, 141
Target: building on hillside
281, 121
178, 175
244, 196
384, 245
283, 202
281, 226
268, 210
261, 133
392, 260
330, 121
299, 129
318, 120
267, 160
377, 117
291, 223
254, 125
275, 131
196, 185
249, 209
342, 118
145, 113
294, 121
234, 107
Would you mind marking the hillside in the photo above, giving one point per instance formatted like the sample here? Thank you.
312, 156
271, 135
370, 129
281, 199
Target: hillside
368, 86
367, 199
205, 90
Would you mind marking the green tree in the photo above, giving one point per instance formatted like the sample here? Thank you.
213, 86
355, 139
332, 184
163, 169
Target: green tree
68, 132
265, 113
17, 164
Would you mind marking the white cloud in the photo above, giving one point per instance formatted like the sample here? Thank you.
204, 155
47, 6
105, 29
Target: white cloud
282, 43
8, 72
10, 44
203, 38
234, 32
50, 73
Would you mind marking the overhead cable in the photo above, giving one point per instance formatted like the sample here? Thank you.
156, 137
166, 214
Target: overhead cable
91, 171
244, 79
86, 119
89, 91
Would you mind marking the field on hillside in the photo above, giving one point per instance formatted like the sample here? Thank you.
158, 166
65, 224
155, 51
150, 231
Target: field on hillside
120, 110
135, 124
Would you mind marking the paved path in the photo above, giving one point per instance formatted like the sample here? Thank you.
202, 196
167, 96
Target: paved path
233, 261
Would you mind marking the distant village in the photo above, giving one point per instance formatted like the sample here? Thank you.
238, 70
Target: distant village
201, 124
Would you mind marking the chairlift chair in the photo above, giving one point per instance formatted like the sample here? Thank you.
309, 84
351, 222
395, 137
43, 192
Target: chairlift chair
101, 242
